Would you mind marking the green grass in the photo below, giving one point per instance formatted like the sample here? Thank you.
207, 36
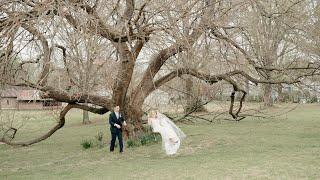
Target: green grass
286, 147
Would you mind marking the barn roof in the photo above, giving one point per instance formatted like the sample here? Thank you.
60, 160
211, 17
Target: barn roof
26, 95
9, 92
21, 93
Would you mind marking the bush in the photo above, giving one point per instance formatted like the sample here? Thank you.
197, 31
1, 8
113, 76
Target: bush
287, 97
147, 139
99, 137
150, 139
86, 144
97, 142
132, 143
313, 99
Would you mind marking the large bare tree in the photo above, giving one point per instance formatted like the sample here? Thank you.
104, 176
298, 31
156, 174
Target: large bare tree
95, 54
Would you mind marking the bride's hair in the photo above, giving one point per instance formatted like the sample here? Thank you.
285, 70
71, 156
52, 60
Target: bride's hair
152, 113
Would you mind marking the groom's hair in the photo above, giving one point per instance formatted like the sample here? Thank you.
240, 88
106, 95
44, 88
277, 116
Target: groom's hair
116, 107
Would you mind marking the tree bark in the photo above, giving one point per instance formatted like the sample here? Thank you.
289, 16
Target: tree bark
85, 117
267, 95
133, 116
247, 87
280, 93
189, 98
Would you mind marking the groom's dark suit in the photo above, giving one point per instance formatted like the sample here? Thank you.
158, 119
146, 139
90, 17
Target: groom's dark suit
115, 132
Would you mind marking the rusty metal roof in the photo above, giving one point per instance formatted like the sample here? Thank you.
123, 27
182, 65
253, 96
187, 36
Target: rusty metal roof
25, 95
21, 93
10, 92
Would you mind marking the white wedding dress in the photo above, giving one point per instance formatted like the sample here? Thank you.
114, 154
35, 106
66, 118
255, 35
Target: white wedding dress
171, 135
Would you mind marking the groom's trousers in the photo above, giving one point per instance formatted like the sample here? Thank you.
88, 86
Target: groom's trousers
114, 135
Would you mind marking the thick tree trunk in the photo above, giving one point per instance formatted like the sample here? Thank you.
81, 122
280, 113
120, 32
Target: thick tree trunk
247, 87
267, 95
189, 98
280, 93
85, 117
133, 116
267, 91
193, 97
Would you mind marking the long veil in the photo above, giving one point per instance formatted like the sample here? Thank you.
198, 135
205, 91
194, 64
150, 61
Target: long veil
175, 128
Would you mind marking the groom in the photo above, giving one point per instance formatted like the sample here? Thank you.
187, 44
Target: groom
116, 122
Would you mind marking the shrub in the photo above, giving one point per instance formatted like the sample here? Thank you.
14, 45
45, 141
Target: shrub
313, 99
132, 143
99, 137
147, 139
287, 97
99, 140
86, 144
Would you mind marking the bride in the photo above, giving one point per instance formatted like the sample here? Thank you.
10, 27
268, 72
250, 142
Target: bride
171, 135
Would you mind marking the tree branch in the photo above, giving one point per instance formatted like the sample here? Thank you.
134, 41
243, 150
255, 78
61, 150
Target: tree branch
45, 136
57, 127
215, 78
62, 96
91, 109
46, 53
64, 55
102, 28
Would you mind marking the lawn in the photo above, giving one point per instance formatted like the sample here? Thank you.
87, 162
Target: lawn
281, 147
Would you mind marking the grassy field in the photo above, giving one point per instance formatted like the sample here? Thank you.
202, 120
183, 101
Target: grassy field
283, 147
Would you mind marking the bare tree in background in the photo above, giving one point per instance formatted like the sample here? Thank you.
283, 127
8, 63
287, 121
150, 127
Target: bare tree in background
95, 54
270, 34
